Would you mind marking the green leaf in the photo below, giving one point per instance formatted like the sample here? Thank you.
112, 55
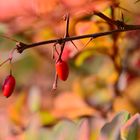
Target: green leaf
131, 129
47, 118
65, 130
111, 130
91, 61
34, 99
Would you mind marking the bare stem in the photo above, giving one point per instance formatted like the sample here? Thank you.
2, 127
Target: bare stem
5, 61
22, 47
55, 82
9, 38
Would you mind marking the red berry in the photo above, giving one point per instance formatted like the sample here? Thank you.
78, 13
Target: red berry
8, 86
62, 70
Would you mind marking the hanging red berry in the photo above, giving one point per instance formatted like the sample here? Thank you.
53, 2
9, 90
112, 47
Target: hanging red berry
62, 70
8, 86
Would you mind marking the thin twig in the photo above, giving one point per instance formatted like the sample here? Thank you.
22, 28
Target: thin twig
55, 82
9, 58
5, 61
11, 53
9, 38
22, 47
101, 15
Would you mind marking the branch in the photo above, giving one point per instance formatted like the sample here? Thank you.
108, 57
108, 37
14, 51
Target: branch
119, 24
137, 1
22, 46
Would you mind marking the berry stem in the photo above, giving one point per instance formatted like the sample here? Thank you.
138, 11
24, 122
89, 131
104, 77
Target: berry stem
5, 61
55, 82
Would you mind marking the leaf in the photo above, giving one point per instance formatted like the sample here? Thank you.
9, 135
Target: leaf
46, 118
89, 6
96, 123
111, 130
123, 103
83, 130
24, 67
86, 27
133, 91
15, 8
70, 105
83, 56
65, 130
34, 99
15, 110
96, 61
131, 129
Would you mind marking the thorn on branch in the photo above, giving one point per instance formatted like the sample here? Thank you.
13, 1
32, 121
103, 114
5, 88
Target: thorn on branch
74, 45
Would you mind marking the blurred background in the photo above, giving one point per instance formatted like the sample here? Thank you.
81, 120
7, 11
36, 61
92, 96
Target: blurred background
106, 67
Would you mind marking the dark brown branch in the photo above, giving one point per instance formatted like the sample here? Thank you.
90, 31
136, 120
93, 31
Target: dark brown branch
67, 25
118, 23
21, 46
101, 15
137, 1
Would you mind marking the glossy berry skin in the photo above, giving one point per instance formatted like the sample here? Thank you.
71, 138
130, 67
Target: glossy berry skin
62, 70
8, 86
